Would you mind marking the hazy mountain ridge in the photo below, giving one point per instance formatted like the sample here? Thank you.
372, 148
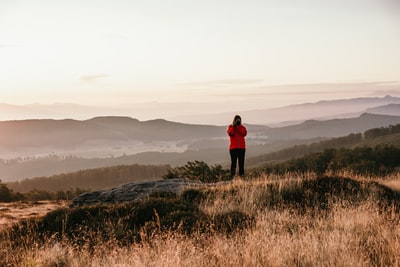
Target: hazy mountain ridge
69, 135
53, 111
325, 109
335, 127
390, 109
328, 109
295, 114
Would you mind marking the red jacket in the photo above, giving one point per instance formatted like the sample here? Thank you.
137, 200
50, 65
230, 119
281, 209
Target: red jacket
236, 136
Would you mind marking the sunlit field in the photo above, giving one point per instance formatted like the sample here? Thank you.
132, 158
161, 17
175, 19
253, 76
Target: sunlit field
269, 221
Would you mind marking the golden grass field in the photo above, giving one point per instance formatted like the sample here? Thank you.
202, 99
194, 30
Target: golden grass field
346, 234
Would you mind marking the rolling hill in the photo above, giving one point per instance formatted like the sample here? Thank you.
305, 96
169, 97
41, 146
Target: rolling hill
390, 109
64, 133
101, 134
97, 178
54, 136
116, 129
333, 128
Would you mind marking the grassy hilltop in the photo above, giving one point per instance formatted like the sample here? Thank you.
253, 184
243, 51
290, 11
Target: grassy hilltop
268, 221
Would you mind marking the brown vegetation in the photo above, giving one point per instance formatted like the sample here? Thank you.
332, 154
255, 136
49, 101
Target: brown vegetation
270, 221
13, 212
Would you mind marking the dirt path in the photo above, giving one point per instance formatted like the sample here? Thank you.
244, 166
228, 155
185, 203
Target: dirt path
11, 213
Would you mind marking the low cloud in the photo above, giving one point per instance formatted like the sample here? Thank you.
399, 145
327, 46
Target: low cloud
93, 78
228, 82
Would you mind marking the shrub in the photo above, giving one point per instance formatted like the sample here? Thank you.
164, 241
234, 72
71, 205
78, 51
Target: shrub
199, 171
192, 196
7, 195
323, 192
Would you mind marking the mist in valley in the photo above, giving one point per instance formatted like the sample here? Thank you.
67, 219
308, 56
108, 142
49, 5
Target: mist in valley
45, 147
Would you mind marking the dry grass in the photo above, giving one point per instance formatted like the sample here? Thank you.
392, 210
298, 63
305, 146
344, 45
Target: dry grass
347, 235
393, 181
13, 212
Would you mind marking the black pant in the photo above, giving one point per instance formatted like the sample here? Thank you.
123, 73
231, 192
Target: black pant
237, 155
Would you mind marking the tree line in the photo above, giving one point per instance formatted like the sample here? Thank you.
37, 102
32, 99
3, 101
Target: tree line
380, 160
300, 150
376, 132
8, 195
91, 179
199, 171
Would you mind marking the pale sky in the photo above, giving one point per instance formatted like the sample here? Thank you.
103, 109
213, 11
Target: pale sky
120, 51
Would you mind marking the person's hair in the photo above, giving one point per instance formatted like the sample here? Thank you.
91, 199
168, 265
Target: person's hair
237, 120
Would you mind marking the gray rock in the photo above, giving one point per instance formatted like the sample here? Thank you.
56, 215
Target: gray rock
135, 191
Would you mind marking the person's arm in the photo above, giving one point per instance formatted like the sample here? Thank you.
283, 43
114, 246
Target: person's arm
241, 130
231, 130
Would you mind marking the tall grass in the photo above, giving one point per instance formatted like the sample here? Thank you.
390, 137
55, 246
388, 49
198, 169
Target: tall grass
289, 227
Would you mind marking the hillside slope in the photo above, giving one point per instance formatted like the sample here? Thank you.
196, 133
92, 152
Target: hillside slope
349, 141
92, 179
333, 128
390, 109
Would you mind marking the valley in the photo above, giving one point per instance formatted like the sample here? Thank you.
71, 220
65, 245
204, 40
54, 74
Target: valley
46, 147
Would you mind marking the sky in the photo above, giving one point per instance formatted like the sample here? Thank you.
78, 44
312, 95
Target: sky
239, 53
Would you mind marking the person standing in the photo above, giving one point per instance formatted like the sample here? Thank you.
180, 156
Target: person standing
237, 145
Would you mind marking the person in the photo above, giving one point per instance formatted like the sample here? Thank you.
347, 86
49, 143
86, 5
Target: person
237, 145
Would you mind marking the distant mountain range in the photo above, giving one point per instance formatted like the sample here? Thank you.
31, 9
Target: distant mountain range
187, 112
70, 135
295, 114
108, 134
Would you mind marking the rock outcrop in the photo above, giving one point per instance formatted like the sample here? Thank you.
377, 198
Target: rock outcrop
134, 191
